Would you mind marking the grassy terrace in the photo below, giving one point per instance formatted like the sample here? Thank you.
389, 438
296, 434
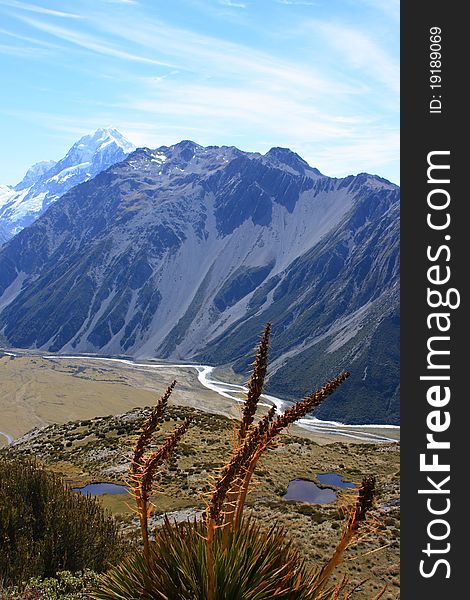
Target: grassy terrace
99, 450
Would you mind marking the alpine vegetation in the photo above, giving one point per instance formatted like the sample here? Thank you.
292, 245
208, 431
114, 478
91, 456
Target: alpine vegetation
226, 555
45, 528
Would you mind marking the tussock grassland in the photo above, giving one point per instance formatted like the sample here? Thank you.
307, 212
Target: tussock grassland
100, 450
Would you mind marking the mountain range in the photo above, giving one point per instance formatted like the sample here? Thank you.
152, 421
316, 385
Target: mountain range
185, 252
46, 181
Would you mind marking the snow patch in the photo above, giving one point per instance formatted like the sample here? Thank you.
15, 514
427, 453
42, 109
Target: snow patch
70, 172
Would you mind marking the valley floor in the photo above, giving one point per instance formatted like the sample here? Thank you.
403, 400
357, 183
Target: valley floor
36, 391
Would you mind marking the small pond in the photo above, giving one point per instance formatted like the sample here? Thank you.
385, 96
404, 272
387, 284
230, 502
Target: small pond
302, 490
96, 489
335, 480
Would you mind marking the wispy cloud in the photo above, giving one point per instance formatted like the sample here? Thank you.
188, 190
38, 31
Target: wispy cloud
245, 107
370, 152
209, 56
233, 3
21, 51
297, 2
361, 52
89, 42
30, 40
324, 83
39, 9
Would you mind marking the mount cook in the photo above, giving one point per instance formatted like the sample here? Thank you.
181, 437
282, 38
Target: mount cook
46, 181
185, 252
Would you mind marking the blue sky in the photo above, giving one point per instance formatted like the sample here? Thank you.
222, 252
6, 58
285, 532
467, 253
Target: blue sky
320, 77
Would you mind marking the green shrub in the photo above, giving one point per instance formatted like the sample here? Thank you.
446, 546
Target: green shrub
251, 562
46, 528
65, 586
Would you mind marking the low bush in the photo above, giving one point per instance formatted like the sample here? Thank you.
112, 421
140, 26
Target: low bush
64, 586
46, 528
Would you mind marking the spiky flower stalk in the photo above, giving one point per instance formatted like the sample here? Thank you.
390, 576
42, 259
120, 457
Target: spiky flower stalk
300, 409
227, 476
364, 503
236, 488
223, 531
365, 498
225, 483
146, 476
266, 434
255, 383
150, 465
257, 441
143, 469
250, 464
148, 429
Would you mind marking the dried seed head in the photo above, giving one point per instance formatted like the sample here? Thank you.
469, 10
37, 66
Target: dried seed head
365, 497
149, 427
255, 383
265, 422
300, 409
151, 464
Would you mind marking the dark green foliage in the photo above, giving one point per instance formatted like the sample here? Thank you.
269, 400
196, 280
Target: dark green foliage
46, 528
254, 563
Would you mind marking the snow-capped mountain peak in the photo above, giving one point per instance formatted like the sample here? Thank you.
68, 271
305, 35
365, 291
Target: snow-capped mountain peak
90, 145
47, 181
